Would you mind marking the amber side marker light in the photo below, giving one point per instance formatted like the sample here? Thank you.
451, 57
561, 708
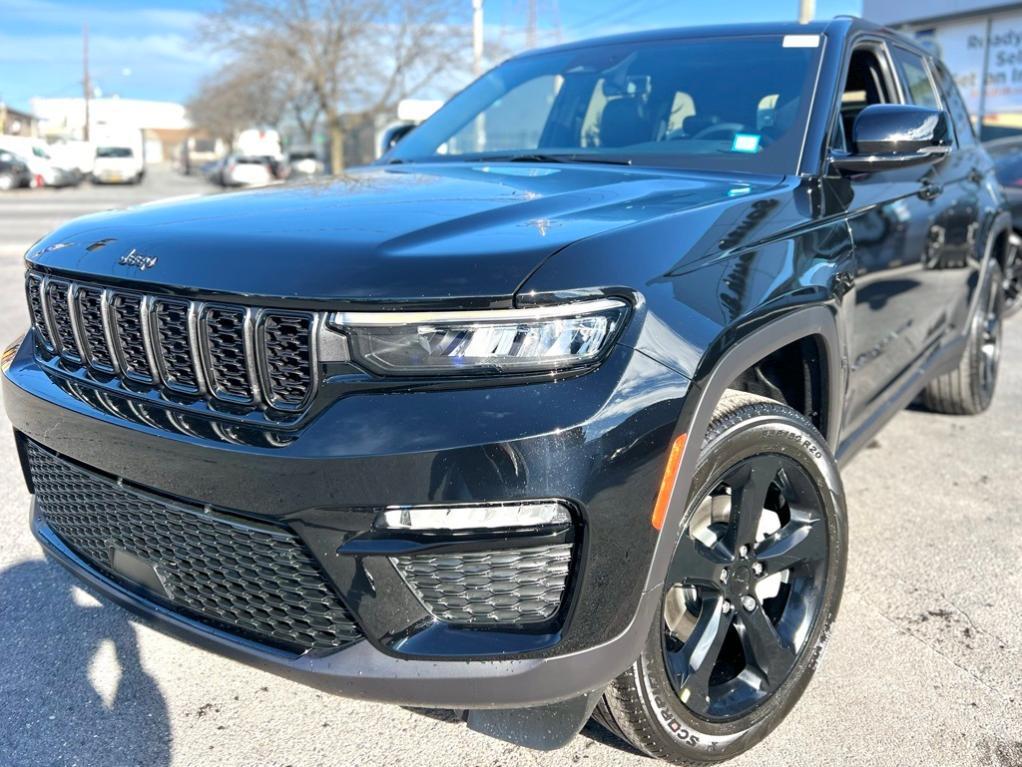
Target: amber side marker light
663, 498
8, 355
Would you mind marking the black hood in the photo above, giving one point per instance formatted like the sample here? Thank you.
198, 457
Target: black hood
428, 232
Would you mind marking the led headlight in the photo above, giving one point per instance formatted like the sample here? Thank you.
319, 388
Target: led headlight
545, 338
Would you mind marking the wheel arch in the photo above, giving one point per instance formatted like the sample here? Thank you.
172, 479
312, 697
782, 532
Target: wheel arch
814, 324
996, 248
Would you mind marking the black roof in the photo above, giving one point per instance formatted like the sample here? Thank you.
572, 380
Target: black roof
839, 26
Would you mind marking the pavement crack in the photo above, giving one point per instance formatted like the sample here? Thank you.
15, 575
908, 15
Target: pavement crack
931, 646
950, 602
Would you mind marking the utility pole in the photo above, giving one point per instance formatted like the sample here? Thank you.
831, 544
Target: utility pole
86, 81
531, 25
806, 11
477, 37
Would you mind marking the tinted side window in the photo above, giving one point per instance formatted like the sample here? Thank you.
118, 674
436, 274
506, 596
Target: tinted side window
955, 106
915, 78
865, 85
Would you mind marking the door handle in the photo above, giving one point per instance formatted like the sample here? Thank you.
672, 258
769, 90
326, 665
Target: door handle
975, 176
931, 191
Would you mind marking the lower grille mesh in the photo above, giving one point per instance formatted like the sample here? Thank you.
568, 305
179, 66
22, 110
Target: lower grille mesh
258, 582
513, 586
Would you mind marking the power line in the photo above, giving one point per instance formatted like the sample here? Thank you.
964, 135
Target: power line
615, 15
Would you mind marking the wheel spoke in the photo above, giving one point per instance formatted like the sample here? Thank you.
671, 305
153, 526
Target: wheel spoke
695, 564
793, 544
692, 665
749, 493
764, 648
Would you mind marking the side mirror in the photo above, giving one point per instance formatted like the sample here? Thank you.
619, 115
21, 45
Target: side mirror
888, 136
392, 134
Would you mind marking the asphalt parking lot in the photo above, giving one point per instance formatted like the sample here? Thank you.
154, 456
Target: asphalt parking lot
924, 665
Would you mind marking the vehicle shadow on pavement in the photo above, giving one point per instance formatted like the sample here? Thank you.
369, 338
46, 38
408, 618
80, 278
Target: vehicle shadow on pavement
72, 686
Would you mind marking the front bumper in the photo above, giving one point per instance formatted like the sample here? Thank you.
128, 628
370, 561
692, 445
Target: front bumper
598, 441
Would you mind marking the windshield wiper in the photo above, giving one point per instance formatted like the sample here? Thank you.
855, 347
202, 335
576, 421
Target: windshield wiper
540, 157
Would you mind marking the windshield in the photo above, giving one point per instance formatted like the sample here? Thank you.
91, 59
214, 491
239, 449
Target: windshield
737, 103
113, 151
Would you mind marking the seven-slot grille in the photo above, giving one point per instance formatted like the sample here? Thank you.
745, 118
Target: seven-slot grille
248, 357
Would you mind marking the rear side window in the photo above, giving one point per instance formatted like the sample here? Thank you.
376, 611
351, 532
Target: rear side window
955, 106
916, 79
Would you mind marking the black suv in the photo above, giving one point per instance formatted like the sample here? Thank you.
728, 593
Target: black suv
541, 416
14, 173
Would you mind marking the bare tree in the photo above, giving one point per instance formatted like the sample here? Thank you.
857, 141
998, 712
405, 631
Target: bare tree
241, 95
306, 110
357, 58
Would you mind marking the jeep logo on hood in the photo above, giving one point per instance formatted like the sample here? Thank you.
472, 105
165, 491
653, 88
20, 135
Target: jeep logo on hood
134, 258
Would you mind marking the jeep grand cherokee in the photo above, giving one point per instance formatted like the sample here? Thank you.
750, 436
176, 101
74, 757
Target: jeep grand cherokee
541, 415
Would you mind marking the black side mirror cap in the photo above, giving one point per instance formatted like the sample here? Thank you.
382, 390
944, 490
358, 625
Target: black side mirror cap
392, 134
888, 136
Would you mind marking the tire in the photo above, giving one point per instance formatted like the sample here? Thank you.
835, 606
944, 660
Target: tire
969, 389
1013, 277
6, 182
747, 435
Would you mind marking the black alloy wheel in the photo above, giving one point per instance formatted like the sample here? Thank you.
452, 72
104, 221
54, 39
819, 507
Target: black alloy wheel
1013, 276
753, 586
745, 587
990, 332
969, 388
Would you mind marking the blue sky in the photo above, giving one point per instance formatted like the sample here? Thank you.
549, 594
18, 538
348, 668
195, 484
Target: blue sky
147, 48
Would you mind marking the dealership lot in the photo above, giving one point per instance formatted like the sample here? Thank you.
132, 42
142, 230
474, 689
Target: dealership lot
924, 665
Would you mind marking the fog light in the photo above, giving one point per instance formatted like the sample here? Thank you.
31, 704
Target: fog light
489, 517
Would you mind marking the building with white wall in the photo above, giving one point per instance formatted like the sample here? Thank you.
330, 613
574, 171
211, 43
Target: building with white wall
164, 124
981, 42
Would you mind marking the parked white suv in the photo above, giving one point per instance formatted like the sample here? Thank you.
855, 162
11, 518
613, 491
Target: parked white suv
117, 165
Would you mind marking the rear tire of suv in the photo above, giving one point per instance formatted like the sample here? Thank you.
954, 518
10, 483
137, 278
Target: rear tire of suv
750, 596
969, 389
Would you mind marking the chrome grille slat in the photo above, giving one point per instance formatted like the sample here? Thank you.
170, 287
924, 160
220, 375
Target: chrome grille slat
172, 341
36, 308
92, 325
286, 341
58, 295
223, 330
243, 357
126, 313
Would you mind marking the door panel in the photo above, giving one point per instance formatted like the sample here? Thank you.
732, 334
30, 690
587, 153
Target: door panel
907, 232
898, 318
952, 260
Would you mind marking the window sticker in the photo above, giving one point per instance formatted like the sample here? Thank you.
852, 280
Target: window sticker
745, 142
801, 41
